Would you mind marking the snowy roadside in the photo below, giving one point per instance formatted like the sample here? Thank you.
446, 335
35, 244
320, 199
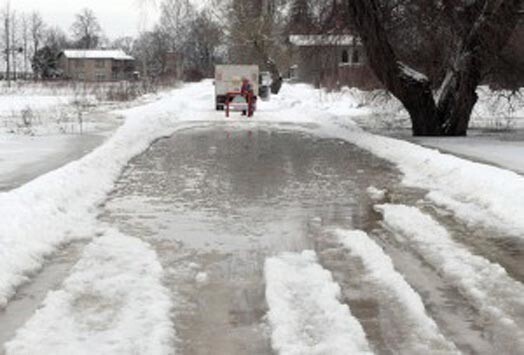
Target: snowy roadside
112, 303
43, 127
496, 129
60, 206
479, 194
487, 285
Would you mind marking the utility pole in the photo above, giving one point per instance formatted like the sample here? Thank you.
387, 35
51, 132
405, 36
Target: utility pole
7, 49
25, 35
14, 50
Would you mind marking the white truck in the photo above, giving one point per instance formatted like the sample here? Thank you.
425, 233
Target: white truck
228, 78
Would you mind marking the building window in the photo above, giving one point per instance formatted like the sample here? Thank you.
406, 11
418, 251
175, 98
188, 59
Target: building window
345, 56
100, 63
355, 56
81, 76
100, 77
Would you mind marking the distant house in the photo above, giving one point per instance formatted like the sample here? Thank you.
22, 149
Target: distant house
330, 61
96, 65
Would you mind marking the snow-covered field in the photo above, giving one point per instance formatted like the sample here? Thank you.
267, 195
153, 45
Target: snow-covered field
303, 298
44, 125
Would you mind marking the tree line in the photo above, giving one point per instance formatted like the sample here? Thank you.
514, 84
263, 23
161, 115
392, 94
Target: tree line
430, 54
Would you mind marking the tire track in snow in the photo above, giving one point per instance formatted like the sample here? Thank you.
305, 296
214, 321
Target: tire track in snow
407, 311
488, 287
305, 313
112, 303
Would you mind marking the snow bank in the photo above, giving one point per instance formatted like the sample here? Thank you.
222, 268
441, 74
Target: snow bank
491, 290
112, 303
502, 150
60, 207
478, 193
408, 311
304, 311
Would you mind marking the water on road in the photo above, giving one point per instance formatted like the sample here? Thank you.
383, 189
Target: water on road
215, 202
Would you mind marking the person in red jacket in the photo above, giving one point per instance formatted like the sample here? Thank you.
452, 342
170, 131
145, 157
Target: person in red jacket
247, 92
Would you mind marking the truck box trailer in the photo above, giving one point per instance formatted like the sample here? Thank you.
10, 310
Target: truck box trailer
228, 78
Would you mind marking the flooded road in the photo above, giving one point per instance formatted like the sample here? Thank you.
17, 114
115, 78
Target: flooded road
215, 202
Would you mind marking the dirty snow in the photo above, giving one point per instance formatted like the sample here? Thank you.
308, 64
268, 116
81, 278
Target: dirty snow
497, 296
403, 303
305, 313
112, 303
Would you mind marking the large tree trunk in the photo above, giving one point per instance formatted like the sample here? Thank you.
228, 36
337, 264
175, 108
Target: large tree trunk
488, 33
484, 38
414, 92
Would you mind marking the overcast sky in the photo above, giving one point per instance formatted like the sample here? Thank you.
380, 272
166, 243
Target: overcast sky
117, 17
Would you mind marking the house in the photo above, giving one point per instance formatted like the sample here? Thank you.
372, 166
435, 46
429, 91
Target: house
96, 65
331, 61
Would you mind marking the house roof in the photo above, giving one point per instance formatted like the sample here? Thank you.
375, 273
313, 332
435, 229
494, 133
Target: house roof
323, 40
96, 54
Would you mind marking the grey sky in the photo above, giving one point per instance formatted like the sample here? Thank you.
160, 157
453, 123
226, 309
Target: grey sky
117, 17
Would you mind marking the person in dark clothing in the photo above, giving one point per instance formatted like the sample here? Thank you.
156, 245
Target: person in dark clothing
247, 92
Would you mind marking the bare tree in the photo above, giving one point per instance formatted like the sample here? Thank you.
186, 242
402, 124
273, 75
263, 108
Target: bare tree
201, 48
255, 34
37, 31
86, 29
25, 34
483, 28
14, 45
151, 49
6, 14
124, 43
175, 19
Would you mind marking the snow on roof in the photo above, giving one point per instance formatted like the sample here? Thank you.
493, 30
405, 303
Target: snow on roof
323, 40
96, 54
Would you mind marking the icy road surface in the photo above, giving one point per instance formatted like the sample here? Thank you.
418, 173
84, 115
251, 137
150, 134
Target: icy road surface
219, 203
286, 234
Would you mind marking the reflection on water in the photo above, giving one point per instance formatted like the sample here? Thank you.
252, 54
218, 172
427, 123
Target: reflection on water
219, 201
215, 202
